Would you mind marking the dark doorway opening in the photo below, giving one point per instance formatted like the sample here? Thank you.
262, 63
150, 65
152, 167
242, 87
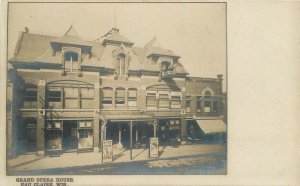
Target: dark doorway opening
70, 139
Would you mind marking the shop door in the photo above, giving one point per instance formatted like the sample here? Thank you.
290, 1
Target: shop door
85, 135
31, 138
70, 140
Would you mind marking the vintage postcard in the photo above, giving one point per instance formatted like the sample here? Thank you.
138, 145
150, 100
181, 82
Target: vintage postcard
116, 88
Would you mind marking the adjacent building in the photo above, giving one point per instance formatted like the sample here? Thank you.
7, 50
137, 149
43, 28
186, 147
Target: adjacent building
66, 94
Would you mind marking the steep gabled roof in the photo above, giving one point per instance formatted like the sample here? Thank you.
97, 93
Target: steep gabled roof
31, 46
117, 37
71, 32
37, 48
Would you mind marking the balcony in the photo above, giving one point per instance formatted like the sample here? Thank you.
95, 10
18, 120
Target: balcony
167, 74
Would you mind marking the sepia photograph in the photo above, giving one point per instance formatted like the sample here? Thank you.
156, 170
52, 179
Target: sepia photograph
116, 89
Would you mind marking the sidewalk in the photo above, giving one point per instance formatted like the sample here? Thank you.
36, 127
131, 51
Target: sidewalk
32, 162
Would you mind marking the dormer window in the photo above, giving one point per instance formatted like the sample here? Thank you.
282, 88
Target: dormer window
167, 69
71, 62
121, 64
72, 59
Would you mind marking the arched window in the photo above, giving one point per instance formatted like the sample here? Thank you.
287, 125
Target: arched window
120, 97
132, 97
207, 93
71, 61
121, 64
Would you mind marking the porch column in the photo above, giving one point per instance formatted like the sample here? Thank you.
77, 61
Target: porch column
41, 116
183, 124
131, 140
136, 135
154, 128
183, 129
120, 137
96, 116
96, 132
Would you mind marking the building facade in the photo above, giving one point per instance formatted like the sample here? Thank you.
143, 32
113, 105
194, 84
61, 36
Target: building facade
65, 94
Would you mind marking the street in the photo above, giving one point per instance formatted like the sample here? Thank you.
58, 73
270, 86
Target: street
214, 163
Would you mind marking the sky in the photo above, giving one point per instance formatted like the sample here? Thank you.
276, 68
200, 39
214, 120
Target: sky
194, 31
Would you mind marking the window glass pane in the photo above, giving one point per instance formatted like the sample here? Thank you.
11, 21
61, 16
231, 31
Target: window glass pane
120, 93
207, 104
132, 93
71, 56
71, 92
87, 103
71, 103
131, 103
87, 92
107, 93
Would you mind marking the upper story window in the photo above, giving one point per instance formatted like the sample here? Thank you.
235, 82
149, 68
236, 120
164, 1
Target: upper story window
54, 95
176, 101
216, 106
207, 102
86, 97
188, 102
71, 97
71, 59
71, 62
121, 64
107, 97
199, 104
132, 97
163, 100
30, 97
120, 97
151, 100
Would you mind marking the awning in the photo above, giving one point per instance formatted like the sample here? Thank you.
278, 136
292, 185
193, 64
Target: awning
212, 126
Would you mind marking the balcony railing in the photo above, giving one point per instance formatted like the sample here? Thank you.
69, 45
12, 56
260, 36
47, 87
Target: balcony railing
167, 73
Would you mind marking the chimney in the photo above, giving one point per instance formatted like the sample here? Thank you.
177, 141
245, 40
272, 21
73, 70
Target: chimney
26, 29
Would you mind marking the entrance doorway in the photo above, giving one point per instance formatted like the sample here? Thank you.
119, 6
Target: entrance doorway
70, 140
